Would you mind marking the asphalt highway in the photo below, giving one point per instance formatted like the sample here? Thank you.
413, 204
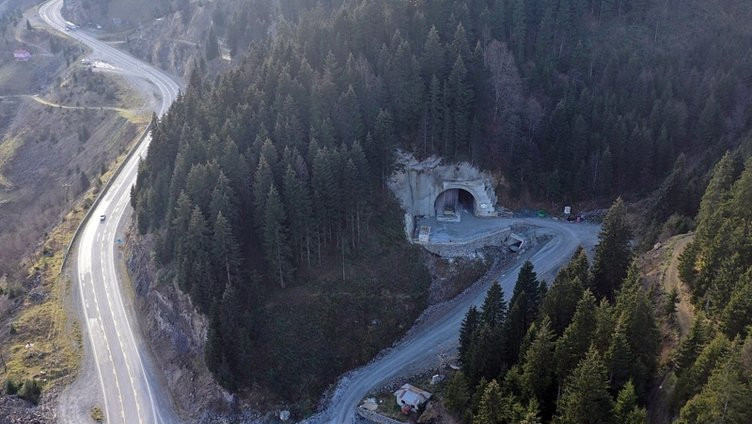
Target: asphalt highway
130, 386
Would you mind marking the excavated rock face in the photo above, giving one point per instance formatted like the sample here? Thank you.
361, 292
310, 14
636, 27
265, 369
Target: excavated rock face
424, 188
418, 184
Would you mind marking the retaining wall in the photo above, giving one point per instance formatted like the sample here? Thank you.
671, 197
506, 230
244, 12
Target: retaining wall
376, 417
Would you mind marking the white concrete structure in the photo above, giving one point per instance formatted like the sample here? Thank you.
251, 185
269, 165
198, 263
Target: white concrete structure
409, 395
431, 189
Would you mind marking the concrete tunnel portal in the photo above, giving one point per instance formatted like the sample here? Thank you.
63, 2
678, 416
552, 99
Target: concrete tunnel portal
450, 204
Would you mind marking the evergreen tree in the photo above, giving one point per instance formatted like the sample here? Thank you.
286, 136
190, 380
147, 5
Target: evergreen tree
461, 95
197, 248
262, 181
433, 55
490, 408
626, 410
225, 252
494, 309
524, 310
538, 370
691, 381
457, 393
575, 341
585, 398
691, 345
613, 253
726, 398
467, 331
275, 238
737, 314
212, 45
298, 204
636, 311
619, 358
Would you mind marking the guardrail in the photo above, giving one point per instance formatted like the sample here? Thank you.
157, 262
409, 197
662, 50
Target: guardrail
102, 192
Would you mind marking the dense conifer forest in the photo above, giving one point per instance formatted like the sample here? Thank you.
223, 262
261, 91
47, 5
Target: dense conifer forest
585, 350
265, 189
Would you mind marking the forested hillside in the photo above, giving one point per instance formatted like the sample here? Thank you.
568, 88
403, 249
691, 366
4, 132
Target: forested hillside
570, 355
265, 188
582, 351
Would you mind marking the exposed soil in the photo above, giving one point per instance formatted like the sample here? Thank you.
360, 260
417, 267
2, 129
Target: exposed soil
661, 277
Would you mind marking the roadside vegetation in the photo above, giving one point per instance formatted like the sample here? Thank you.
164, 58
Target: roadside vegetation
43, 345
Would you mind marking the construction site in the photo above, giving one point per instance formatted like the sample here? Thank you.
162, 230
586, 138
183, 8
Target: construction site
451, 209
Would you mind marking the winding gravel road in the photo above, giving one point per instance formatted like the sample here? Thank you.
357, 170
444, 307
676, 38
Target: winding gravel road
438, 332
131, 389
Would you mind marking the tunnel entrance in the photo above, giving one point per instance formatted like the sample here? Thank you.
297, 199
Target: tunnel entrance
452, 203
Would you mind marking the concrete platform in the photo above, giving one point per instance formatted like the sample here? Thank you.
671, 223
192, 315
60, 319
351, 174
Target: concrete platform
468, 229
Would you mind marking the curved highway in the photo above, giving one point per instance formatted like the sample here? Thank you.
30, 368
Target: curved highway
438, 332
130, 386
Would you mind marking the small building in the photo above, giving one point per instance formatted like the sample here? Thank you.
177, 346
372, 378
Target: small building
21, 55
409, 396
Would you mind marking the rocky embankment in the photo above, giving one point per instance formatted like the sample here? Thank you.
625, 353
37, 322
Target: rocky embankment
176, 334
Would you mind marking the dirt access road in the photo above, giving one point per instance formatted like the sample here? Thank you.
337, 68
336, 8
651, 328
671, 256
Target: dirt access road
437, 333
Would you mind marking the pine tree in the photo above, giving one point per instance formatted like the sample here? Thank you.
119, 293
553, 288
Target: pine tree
515, 327
196, 260
494, 309
709, 222
298, 204
490, 410
262, 181
225, 252
619, 358
435, 113
737, 314
626, 409
461, 94
433, 55
575, 341
636, 311
544, 43
212, 45
538, 370
613, 253
585, 399
560, 302
691, 345
527, 282
467, 331
275, 239
457, 393
726, 398
691, 381
605, 322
